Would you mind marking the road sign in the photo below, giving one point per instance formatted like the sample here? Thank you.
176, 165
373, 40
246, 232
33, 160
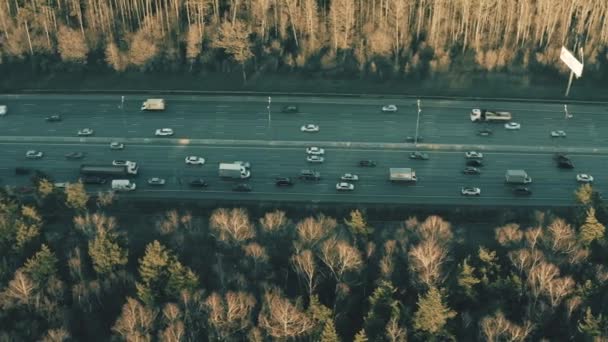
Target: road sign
571, 61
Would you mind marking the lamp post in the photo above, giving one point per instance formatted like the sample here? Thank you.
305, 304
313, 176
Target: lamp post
417, 122
269, 116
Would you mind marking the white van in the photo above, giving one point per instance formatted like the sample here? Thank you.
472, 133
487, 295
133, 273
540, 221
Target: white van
123, 185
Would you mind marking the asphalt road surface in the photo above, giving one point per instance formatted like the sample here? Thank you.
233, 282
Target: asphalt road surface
221, 129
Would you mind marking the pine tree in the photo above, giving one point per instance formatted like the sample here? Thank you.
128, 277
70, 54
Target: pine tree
42, 266
467, 279
361, 336
590, 326
357, 224
584, 194
432, 314
592, 229
382, 304
329, 332
106, 253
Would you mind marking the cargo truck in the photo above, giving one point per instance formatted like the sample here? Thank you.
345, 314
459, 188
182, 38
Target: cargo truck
478, 115
235, 170
123, 185
128, 170
517, 177
153, 104
402, 175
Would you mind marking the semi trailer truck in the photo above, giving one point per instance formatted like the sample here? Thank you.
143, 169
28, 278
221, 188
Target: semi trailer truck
402, 175
234, 170
128, 170
483, 115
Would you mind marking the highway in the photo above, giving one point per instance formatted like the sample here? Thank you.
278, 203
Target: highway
227, 128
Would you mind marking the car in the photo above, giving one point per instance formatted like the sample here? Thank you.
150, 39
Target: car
560, 156
470, 170
74, 155
33, 154
198, 183
194, 160
522, 190
85, 132
93, 180
53, 118
584, 178
309, 175
565, 164
120, 162
558, 134
484, 132
470, 191
349, 177
3, 110
314, 159
283, 181
22, 170
156, 181
344, 186
411, 139
367, 163
390, 108
116, 146
309, 128
163, 132
61, 185
243, 187
512, 125
419, 155
474, 162
473, 155
315, 150
290, 109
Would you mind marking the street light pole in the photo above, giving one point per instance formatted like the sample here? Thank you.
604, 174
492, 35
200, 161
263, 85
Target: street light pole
417, 122
269, 116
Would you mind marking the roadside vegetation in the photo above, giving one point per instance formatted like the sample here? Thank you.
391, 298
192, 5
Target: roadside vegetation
79, 267
451, 44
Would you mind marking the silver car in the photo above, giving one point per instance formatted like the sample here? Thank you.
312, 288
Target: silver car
309, 128
156, 181
315, 159
33, 154
85, 132
344, 186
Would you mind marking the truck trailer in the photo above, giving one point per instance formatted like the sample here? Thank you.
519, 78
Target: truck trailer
517, 177
129, 170
153, 104
402, 175
235, 170
478, 115
123, 185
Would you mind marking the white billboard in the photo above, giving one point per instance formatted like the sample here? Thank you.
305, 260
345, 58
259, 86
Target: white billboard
571, 61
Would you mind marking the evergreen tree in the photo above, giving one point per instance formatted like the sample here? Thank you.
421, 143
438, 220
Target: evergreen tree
180, 278
467, 279
358, 225
329, 332
320, 315
590, 326
361, 336
592, 229
42, 266
106, 253
432, 314
382, 305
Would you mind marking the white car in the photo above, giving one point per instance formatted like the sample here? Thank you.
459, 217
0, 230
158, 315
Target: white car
584, 178
194, 160
512, 125
164, 132
116, 146
60, 185
3, 110
118, 162
85, 132
315, 150
309, 128
470, 191
33, 154
391, 108
349, 177
558, 134
343, 186
473, 155
156, 181
314, 159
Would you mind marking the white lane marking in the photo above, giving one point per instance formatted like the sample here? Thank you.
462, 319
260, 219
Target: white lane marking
13, 129
51, 130
222, 106
132, 131
221, 112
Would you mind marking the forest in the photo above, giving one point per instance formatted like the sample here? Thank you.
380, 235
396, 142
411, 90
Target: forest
383, 39
85, 268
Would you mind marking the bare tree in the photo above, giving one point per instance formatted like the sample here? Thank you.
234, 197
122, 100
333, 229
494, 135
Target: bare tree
231, 314
305, 265
426, 260
498, 328
72, 45
273, 221
233, 37
20, 291
281, 319
135, 322
509, 234
340, 257
231, 226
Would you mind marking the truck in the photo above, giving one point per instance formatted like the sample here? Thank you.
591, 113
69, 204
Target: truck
153, 104
517, 177
128, 170
234, 170
402, 174
479, 115
123, 185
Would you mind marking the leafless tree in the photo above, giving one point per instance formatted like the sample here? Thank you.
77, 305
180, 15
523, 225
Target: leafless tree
135, 322
281, 319
273, 221
340, 257
231, 226
426, 261
231, 314
305, 265
508, 234
498, 328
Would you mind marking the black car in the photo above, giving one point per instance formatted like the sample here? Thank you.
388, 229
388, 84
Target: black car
198, 183
309, 175
522, 190
474, 162
367, 163
290, 109
93, 180
484, 132
74, 155
283, 181
560, 156
243, 187
565, 164
53, 118
410, 139
471, 171
22, 171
